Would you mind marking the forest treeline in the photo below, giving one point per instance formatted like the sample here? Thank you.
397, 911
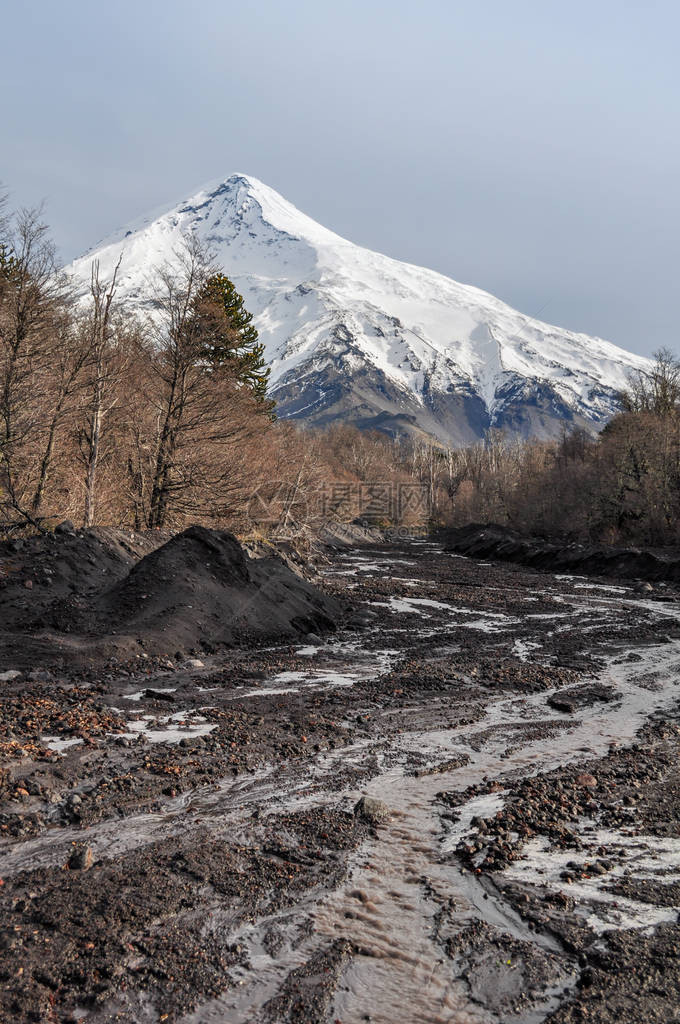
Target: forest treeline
621, 486
159, 419
162, 418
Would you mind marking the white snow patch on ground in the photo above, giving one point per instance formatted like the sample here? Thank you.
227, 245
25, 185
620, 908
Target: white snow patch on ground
418, 604
601, 586
140, 693
267, 691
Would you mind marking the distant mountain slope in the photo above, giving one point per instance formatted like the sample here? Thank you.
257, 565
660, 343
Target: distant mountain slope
352, 335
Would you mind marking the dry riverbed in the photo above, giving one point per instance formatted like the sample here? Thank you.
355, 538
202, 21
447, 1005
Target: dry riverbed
184, 839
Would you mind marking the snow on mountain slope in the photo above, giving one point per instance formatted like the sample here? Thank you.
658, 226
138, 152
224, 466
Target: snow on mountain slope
354, 335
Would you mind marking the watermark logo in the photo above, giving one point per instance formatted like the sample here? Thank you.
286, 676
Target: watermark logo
385, 503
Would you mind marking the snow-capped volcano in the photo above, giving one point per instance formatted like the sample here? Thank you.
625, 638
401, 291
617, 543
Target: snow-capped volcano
352, 335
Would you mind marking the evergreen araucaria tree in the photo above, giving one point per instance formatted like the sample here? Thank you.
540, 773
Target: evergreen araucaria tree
227, 335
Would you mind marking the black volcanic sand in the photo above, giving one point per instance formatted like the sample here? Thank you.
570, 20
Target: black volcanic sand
147, 863
503, 544
82, 597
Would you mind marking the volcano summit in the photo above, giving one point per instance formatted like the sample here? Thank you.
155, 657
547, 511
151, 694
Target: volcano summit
358, 337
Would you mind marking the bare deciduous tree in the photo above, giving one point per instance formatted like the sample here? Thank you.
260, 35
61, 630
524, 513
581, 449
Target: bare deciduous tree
656, 390
37, 371
104, 368
197, 463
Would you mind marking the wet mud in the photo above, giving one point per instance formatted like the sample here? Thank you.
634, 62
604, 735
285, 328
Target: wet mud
463, 806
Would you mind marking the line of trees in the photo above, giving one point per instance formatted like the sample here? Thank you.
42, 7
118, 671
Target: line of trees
155, 421
621, 486
104, 417
159, 421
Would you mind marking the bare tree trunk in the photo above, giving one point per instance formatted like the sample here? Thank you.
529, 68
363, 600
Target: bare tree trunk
46, 461
91, 474
102, 299
33, 345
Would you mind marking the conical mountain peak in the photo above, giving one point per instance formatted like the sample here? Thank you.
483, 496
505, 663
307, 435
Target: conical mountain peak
354, 335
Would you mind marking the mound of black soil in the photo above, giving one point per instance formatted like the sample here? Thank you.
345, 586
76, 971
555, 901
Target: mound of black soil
94, 594
201, 589
39, 571
504, 545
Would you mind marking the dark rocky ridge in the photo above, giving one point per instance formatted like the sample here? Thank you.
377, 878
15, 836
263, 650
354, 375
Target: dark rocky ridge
347, 389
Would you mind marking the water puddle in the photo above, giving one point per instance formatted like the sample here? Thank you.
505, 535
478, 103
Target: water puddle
60, 744
168, 728
646, 858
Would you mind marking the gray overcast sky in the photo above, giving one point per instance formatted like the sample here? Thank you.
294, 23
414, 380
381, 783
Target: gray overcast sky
530, 148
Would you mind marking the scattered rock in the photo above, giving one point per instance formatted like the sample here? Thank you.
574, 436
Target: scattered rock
578, 697
81, 859
159, 695
564, 704
372, 810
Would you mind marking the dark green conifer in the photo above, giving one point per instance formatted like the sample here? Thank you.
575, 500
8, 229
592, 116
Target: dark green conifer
227, 336
9, 264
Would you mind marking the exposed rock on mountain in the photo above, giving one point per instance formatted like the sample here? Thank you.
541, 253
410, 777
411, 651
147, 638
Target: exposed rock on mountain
355, 336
